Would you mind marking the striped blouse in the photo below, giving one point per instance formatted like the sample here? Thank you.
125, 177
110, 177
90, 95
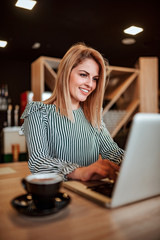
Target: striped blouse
56, 144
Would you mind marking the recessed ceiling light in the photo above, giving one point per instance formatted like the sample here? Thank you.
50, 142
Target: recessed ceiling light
27, 4
133, 30
128, 41
36, 45
3, 43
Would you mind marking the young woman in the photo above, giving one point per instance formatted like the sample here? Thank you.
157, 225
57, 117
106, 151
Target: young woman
65, 133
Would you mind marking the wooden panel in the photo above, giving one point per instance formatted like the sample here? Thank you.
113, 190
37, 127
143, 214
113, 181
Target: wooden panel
50, 76
122, 70
148, 84
42, 70
37, 79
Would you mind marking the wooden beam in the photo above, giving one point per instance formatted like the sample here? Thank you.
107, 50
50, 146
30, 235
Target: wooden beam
37, 79
148, 84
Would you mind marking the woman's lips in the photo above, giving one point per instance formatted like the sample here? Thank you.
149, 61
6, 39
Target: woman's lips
84, 90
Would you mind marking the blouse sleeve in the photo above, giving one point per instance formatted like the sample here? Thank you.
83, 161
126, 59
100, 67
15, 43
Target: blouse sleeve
108, 148
35, 131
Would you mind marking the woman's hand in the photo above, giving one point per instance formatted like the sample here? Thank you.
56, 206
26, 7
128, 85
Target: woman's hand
98, 170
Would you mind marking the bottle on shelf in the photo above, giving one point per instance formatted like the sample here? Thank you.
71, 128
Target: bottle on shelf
0, 98
16, 115
9, 116
3, 100
5, 107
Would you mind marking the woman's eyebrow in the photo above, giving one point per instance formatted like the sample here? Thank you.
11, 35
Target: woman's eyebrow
88, 72
84, 71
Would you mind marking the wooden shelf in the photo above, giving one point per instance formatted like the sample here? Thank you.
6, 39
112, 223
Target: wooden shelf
129, 89
124, 116
122, 70
116, 93
121, 88
43, 70
129, 111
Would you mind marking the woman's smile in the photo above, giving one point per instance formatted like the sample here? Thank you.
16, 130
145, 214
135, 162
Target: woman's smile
84, 91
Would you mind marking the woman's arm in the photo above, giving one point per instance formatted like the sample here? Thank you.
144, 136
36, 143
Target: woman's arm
109, 148
98, 170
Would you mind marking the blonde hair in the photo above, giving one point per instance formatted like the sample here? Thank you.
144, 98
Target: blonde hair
61, 94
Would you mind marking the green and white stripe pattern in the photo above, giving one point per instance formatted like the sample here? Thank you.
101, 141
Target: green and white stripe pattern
55, 144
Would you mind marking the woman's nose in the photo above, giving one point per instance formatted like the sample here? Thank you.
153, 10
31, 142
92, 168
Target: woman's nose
89, 82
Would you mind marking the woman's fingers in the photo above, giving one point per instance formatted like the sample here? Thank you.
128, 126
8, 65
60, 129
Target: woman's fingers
112, 175
89, 173
98, 170
114, 166
109, 167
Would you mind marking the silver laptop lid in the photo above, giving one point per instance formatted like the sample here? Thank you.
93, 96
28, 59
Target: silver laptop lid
139, 176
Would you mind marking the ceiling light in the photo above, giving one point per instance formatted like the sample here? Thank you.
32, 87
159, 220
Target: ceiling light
128, 41
27, 4
36, 45
133, 30
3, 43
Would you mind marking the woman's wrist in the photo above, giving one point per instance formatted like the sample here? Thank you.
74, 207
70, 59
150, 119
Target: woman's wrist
75, 174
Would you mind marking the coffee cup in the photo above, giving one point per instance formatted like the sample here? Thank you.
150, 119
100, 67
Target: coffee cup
43, 187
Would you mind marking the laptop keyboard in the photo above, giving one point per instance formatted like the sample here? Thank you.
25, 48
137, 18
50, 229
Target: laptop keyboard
104, 188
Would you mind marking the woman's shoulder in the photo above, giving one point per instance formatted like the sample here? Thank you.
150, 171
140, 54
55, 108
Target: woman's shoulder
35, 106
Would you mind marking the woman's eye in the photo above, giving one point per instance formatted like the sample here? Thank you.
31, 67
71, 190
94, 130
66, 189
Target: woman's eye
83, 75
96, 79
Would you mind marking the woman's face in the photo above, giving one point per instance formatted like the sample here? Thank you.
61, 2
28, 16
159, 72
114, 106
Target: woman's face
83, 81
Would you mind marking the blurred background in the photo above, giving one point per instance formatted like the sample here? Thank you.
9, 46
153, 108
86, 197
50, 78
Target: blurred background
55, 25
52, 26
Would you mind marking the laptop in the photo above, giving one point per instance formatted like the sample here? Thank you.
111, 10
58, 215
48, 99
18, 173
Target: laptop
139, 175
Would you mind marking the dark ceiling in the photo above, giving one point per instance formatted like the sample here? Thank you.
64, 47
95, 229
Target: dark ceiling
58, 24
